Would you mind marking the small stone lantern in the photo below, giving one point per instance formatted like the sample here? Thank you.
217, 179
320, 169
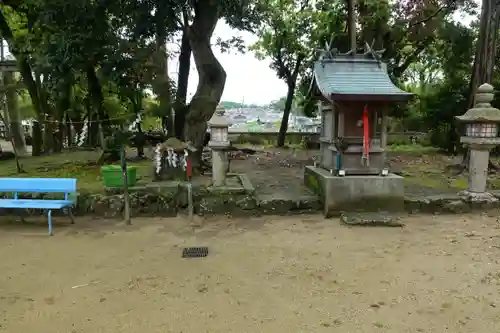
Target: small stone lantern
219, 143
481, 135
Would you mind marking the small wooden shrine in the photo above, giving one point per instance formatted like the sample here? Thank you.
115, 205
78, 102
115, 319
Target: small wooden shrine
354, 94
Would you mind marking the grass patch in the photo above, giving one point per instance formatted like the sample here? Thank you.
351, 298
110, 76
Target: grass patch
77, 164
412, 148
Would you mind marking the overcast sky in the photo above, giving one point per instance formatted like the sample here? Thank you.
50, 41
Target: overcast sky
248, 79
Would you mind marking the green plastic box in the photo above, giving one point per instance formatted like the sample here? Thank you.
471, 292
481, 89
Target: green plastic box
112, 176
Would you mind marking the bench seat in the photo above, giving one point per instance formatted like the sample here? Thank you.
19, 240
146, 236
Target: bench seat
17, 186
35, 203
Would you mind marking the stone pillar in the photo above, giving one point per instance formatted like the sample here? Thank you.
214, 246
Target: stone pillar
219, 167
219, 143
478, 168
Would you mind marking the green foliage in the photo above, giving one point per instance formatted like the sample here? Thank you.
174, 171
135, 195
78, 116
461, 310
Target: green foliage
64, 42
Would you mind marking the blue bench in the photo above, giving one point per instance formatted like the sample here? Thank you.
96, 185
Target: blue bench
39, 185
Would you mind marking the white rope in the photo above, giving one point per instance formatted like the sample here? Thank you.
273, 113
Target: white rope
135, 124
157, 158
184, 159
80, 139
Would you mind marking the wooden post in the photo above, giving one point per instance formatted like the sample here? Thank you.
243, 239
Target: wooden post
340, 131
383, 133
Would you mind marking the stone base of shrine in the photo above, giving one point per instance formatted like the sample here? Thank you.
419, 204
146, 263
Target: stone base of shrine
365, 193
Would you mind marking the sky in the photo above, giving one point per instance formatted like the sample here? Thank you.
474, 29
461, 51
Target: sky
248, 80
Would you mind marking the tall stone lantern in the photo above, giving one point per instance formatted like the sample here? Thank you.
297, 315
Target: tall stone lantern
481, 135
219, 143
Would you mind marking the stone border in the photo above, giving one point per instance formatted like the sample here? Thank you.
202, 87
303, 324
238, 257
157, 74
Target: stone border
170, 198
449, 203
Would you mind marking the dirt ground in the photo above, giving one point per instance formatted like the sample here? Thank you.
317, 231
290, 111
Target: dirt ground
281, 171
294, 274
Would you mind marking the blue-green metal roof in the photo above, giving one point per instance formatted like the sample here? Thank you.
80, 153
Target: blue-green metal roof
355, 76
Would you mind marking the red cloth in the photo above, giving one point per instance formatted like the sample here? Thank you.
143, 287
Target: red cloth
366, 131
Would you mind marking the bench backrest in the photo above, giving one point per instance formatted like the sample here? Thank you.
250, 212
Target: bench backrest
38, 185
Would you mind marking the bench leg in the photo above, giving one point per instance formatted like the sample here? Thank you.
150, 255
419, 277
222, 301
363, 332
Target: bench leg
70, 214
49, 215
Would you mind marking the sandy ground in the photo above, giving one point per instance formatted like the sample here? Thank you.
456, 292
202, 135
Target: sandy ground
300, 274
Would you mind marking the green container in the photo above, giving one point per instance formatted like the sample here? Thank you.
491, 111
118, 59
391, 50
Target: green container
113, 177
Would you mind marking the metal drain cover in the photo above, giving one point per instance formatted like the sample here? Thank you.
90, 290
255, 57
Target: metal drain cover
195, 252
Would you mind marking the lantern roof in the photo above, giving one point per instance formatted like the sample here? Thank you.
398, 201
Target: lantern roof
482, 111
355, 76
218, 119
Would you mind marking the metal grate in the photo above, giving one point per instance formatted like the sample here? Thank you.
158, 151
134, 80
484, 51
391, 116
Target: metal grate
195, 252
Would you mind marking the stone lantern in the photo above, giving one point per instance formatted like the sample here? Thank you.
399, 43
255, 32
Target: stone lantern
219, 143
481, 135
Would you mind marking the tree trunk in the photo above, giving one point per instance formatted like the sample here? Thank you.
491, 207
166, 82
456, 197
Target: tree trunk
286, 114
48, 135
36, 138
182, 86
13, 116
292, 84
97, 100
60, 112
212, 76
33, 90
484, 60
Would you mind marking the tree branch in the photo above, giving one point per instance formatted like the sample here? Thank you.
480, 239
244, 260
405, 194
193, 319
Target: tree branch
428, 18
399, 70
279, 56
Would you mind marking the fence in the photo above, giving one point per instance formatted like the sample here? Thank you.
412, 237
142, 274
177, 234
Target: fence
294, 138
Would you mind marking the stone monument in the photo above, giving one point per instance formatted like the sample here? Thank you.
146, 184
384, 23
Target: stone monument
219, 144
354, 94
481, 135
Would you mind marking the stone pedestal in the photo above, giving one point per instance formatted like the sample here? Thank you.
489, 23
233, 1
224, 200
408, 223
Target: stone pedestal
478, 168
367, 193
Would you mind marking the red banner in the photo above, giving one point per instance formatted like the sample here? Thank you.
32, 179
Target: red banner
366, 132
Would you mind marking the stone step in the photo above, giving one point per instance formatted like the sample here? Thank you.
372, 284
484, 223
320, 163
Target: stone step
370, 219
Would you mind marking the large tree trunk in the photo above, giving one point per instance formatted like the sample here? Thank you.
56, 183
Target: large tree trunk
212, 76
63, 105
12, 114
484, 60
97, 100
180, 106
